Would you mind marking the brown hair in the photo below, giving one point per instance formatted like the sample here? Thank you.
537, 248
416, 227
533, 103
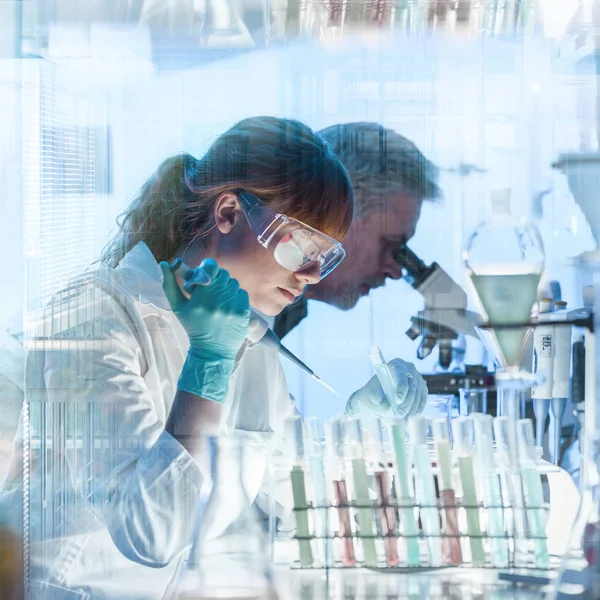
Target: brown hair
281, 161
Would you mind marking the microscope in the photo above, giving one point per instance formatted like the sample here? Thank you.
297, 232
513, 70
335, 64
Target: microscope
444, 321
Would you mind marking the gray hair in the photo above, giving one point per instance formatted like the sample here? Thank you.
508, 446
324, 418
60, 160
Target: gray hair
381, 163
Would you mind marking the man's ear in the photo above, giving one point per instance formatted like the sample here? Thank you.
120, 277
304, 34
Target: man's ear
227, 212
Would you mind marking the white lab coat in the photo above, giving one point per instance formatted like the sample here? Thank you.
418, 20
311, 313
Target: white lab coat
133, 495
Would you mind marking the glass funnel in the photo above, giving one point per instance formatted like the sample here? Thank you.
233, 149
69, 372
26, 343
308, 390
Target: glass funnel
504, 259
229, 554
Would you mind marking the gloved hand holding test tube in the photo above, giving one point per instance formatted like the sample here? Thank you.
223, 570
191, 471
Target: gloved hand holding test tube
258, 330
397, 390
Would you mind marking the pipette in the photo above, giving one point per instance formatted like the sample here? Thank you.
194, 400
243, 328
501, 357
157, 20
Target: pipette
258, 331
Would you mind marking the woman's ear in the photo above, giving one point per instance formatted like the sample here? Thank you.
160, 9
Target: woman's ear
227, 212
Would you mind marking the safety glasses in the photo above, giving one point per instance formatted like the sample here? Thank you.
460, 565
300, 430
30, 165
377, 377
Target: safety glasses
295, 245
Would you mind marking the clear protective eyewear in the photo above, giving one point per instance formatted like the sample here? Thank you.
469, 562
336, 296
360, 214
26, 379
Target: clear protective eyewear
296, 246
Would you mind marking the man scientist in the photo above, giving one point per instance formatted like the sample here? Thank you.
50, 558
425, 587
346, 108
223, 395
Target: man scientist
391, 178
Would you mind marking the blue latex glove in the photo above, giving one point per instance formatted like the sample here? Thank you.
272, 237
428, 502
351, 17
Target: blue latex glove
216, 319
411, 394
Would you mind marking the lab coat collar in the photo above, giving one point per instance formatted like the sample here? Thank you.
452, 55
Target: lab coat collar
142, 276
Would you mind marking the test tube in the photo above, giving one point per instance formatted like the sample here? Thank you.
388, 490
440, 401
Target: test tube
452, 553
425, 485
532, 489
383, 375
361, 492
387, 512
335, 434
405, 494
296, 435
462, 435
492, 496
315, 453
506, 447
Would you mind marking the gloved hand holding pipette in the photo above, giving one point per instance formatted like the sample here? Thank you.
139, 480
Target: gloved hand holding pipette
396, 390
216, 318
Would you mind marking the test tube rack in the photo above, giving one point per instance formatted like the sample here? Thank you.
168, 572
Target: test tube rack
326, 544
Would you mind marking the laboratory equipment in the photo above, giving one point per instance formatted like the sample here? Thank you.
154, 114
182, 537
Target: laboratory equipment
335, 435
418, 427
543, 363
462, 435
452, 553
504, 259
561, 378
383, 482
532, 489
364, 505
258, 330
295, 434
405, 493
445, 315
490, 489
228, 558
473, 400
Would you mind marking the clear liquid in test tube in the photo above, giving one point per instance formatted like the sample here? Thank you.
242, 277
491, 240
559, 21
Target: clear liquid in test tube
317, 468
532, 490
425, 487
387, 513
491, 491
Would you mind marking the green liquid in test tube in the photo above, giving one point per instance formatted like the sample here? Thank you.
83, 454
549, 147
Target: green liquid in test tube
492, 495
361, 490
295, 432
418, 427
532, 490
405, 495
462, 432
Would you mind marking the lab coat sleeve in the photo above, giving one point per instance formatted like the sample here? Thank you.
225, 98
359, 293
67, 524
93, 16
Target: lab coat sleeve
139, 480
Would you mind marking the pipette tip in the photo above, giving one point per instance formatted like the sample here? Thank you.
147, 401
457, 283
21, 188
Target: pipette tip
317, 378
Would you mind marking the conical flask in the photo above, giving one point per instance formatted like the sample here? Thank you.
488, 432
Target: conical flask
228, 558
504, 259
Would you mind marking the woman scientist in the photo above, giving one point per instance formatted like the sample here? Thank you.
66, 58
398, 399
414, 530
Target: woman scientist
138, 369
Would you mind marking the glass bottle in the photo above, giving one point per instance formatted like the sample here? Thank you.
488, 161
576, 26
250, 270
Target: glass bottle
228, 557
